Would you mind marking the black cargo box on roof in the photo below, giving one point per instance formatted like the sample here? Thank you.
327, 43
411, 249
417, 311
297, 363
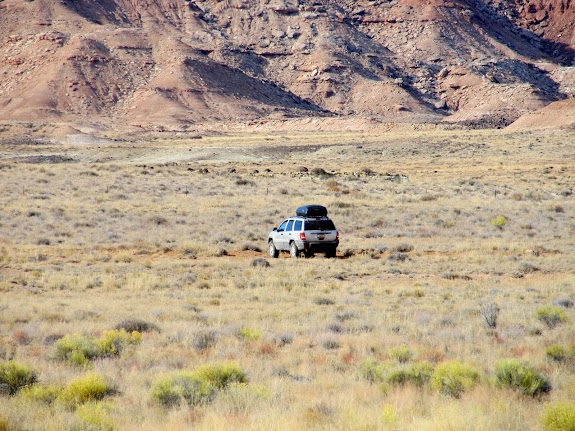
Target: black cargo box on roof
311, 211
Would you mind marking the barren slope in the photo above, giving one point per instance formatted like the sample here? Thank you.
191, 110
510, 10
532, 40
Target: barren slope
176, 62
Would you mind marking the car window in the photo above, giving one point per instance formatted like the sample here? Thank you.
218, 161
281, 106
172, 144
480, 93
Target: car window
319, 225
297, 225
289, 226
282, 226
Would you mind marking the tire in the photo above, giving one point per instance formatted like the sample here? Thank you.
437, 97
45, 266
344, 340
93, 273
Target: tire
273, 251
330, 253
293, 250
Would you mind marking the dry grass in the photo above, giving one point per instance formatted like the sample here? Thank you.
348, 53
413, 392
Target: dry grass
90, 246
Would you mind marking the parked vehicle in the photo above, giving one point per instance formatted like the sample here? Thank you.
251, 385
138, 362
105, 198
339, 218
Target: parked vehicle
310, 231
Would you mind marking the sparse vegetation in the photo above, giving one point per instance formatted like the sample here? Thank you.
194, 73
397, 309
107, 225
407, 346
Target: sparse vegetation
363, 341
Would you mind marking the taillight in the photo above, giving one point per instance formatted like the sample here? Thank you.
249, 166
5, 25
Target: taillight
337, 235
302, 236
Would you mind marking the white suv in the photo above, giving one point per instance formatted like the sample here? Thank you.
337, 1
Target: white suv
310, 231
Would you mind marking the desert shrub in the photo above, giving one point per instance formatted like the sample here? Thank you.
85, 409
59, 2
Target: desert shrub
323, 301
400, 354
96, 416
136, 325
371, 371
198, 387
14, 377
249, 246
403, 248
330, 344
454, 377
113, 342
222, 375
559, 353
158, 220
397, 257
248, 334
182, 387
244, 182
520, 376
563, 302
76, 349
551, 315
89, 387
261, 262
455, 276
346, 315
489, 312
558, 417
41, 393
4, 426
283, 339
499, 221
204, 340
80, 350
418, 373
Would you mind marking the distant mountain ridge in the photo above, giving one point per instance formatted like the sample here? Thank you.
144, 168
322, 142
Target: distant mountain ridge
179, 62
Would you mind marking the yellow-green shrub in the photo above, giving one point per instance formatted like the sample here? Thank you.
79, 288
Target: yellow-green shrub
520, 376
113, 342
221, 375
80, 350
197, 387
558, 417
14, 377
248, 334
183, 386
96, 415
42, 393
454, 377
400, 354
551, 315
418, 373
89, 387
559, 353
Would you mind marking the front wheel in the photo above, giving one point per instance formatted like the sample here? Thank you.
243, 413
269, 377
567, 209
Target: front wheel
273, 251
293, 250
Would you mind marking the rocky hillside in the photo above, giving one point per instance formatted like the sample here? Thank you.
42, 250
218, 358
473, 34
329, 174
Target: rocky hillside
171, 63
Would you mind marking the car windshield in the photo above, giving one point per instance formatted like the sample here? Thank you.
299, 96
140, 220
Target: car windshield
319, 225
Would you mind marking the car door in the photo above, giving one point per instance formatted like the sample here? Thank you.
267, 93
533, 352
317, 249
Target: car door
280, 237
289, 234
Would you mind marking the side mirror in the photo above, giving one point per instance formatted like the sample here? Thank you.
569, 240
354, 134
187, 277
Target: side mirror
275, 228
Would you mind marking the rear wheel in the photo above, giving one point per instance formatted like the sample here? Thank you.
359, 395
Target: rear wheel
330, 253
293, 250
273, 251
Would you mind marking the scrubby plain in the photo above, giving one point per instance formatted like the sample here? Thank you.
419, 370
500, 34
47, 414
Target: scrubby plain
134, 294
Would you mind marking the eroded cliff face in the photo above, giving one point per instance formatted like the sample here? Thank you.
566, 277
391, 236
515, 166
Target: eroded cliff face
176, 62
